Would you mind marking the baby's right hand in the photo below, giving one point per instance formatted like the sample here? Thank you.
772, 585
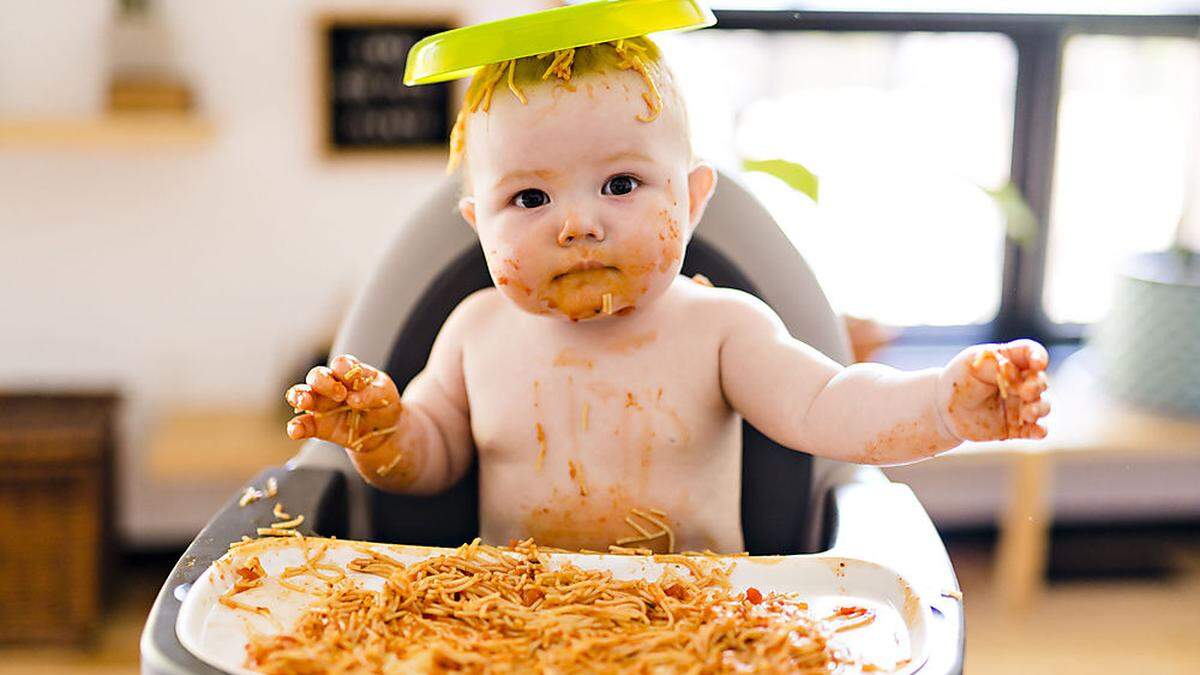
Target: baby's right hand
349, 403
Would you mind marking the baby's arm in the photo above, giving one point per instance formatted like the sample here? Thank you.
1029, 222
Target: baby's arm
870, 413
420, 443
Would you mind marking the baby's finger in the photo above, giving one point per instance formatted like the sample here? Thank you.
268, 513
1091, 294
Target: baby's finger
322, 381
302, 397
1026, 354
1033, 431
1032, 412
1012, 413
301, 427
1033, 386
342, 363
373, 396
352, 372
983, 365
990, 366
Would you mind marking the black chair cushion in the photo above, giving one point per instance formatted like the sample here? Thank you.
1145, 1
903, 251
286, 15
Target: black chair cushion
776, 481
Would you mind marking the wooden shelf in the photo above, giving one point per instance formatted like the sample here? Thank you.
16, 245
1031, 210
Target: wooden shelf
124, 131
218, 444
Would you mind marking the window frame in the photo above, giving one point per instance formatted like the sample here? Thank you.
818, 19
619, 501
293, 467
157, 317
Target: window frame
1038, 40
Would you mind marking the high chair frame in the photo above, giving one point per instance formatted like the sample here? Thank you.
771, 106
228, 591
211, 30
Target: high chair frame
798, 504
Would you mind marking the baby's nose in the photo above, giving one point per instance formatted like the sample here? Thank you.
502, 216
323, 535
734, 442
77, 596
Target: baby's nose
576, 227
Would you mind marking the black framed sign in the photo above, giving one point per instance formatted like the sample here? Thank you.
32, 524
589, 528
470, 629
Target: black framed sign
365, 107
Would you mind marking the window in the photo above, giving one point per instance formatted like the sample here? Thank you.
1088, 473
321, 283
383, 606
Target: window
1089, 109
904, 129
1127, 147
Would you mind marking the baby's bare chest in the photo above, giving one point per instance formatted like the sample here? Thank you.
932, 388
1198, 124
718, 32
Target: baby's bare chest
640, 396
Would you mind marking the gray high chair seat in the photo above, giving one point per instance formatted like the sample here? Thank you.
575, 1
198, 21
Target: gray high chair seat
791, 502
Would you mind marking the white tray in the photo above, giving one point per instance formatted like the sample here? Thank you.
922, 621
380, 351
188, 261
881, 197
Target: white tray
218, 635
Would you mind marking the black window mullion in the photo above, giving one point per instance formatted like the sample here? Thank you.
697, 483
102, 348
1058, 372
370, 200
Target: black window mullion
1035, 131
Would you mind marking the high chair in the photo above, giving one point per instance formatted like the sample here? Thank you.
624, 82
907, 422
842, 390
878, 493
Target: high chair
791, 502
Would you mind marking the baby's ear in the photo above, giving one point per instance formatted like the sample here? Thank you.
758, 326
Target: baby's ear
466, 206
701, 182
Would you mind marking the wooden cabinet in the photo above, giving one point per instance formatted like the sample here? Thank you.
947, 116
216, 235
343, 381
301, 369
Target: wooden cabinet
56, 456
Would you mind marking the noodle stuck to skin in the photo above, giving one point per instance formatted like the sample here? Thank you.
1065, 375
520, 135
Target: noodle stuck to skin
486, 609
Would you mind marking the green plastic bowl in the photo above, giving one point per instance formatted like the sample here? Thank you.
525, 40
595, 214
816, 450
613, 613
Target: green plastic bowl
457, 53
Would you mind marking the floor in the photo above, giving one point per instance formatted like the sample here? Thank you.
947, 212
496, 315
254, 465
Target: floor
114, 650
1145, 624
1086, 625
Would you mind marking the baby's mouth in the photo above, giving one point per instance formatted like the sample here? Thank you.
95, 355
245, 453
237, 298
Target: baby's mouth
586, 289
584, 266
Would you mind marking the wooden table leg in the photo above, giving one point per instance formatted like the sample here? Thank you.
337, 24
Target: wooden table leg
1024, 531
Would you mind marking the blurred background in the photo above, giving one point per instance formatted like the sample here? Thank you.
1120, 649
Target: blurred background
191, 194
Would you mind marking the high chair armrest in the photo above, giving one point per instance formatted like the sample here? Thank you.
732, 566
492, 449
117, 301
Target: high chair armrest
880, 521
318, 494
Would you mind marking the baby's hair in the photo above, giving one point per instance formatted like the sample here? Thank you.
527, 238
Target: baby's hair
638, 54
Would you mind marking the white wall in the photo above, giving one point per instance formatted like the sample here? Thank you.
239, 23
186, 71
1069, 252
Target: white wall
194, 276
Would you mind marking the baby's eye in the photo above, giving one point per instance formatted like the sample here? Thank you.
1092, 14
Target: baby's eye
620, 185
531, 198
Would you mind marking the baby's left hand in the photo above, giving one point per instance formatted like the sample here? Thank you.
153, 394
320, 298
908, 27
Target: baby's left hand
994, 392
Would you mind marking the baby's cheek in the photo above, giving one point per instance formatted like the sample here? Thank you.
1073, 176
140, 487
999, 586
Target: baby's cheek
510, 283
670, 240
508, 273
657, 245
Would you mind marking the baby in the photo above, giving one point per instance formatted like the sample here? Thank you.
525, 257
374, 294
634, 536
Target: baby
602, 392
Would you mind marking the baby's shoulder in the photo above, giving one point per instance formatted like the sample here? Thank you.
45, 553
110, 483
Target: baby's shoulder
709, 303
482, 302
474, 313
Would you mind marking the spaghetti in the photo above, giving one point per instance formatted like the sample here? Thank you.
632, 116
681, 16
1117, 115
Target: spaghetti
486, 609
1007, 373
541, 440
253, 494
631, 54
249, 576
575, 471
390, 466
1007, 381
560, 67
656, 518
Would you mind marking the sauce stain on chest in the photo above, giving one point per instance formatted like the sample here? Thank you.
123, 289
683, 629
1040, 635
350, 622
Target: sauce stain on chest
577, 523
569, 358
630, 343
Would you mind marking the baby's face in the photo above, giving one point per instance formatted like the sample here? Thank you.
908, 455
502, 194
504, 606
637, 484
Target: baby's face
575, 199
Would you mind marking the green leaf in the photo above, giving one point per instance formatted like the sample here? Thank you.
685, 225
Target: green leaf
1019, 220
795, 175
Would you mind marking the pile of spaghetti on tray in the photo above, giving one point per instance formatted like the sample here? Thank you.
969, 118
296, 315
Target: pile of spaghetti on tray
487, 609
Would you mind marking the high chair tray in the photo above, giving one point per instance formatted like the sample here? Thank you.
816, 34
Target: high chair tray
218, 634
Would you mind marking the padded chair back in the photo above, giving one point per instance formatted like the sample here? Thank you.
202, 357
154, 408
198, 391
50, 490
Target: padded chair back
434, 262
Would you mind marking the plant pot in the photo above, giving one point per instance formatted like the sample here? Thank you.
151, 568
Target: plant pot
1148, 346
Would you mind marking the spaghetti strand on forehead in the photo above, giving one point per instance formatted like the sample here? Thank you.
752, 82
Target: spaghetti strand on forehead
631, 59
